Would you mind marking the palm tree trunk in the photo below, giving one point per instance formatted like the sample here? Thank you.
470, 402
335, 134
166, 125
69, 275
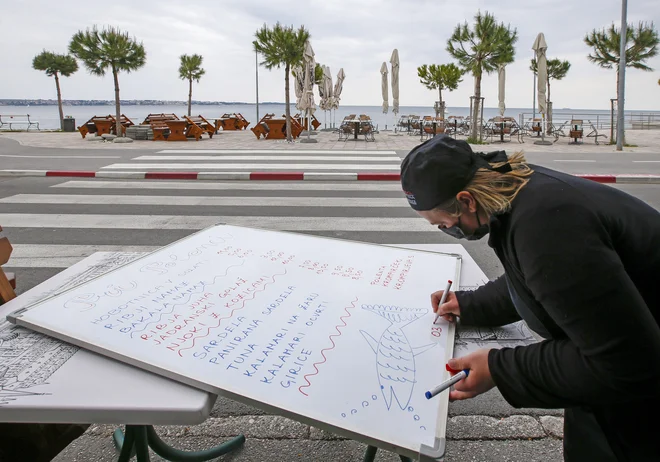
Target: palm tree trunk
287, 110
189, 96
442, 106
547, 104
475, 110
117, 108
59, 101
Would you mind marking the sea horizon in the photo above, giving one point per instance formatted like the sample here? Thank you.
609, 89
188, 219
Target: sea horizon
48, 115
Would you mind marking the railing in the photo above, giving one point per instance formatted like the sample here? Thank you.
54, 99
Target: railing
632, 120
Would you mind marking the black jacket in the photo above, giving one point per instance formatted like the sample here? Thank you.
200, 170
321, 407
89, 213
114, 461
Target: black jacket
582, 268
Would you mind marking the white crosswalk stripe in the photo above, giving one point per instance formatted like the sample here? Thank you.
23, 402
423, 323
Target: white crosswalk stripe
187, 166
262, 160
266, 201
232, 185
56, 227
393, 159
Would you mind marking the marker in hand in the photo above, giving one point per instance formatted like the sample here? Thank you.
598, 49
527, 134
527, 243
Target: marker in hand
442, 299
447, 383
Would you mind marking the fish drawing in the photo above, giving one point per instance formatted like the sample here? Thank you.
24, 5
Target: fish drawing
395, 356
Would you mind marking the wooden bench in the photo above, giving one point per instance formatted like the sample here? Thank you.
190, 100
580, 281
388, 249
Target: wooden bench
104, 124
18, 119
234, 121
7, 280
158, 124
272, 128
125, 122
203, 123
200, 122
302, 120
157, 117
97, 124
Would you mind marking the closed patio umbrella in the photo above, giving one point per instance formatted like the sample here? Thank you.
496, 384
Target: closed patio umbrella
383, 86
339, 85
307, 101
501, 78
394, 61
540, 47
298, 83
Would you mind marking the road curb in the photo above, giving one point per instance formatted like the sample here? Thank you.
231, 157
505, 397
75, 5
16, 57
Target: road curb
282, 176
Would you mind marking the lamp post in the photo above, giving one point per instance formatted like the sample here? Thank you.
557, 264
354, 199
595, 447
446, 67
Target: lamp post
620, 120
256, 62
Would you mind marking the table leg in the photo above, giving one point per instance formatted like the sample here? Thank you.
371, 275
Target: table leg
370, 455
125, 443
139, 438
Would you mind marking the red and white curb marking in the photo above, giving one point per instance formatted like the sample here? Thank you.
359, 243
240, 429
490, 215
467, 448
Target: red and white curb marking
282, 176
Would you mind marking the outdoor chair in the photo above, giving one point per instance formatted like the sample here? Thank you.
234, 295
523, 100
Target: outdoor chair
7, 280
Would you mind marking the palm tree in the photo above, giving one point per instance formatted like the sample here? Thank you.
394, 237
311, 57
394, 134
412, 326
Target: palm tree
440, 77
557, 69
282, 46
481, 49
55, 65
191, 69
108, 49
641, 45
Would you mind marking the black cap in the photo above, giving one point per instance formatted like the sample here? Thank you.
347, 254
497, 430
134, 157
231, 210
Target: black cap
441, 167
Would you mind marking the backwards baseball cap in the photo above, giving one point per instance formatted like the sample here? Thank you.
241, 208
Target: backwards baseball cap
441, 167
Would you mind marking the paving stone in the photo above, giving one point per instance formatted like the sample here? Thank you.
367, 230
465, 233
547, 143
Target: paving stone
225, 407
553, 426
493, 404
95, 449
479, 427
320, 434
543, 450
250, 426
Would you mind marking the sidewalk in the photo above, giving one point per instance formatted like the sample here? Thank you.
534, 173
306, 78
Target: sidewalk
645, 140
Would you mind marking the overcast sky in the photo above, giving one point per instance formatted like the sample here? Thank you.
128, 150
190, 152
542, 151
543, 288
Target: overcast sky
355, 35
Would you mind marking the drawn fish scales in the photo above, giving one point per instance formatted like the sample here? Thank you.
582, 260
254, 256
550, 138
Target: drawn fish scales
395, 356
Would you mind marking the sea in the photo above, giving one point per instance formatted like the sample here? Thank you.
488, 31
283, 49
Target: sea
48, 116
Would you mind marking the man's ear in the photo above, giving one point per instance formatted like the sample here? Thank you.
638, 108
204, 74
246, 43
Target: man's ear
467, 201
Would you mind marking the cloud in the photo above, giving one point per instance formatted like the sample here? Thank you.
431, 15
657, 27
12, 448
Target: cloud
357, 36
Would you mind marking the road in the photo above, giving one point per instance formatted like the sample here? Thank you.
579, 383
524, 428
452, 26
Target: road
55, 222
14, 156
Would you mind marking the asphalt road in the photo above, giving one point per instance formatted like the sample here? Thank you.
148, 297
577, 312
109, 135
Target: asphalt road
54, 222
18, 157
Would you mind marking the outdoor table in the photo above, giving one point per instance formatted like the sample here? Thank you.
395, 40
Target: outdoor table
64, 384
77, 386
177, 130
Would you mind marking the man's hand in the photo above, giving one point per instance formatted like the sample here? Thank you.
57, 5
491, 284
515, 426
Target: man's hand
478, 381
449, 309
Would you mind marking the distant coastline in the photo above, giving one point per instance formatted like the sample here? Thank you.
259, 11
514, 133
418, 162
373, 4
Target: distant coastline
129, 102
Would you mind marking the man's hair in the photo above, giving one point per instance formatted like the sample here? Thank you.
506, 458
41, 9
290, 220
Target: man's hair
492, 190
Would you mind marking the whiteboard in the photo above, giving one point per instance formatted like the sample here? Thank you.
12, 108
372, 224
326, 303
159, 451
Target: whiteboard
48, 381
334, 333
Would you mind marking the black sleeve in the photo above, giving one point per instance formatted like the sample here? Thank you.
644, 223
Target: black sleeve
612, 350
489, 306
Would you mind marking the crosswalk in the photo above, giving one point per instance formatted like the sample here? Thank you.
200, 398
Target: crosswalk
245, 160
58, 223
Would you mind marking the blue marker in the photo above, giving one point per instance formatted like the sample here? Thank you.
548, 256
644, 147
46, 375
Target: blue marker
447, 383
